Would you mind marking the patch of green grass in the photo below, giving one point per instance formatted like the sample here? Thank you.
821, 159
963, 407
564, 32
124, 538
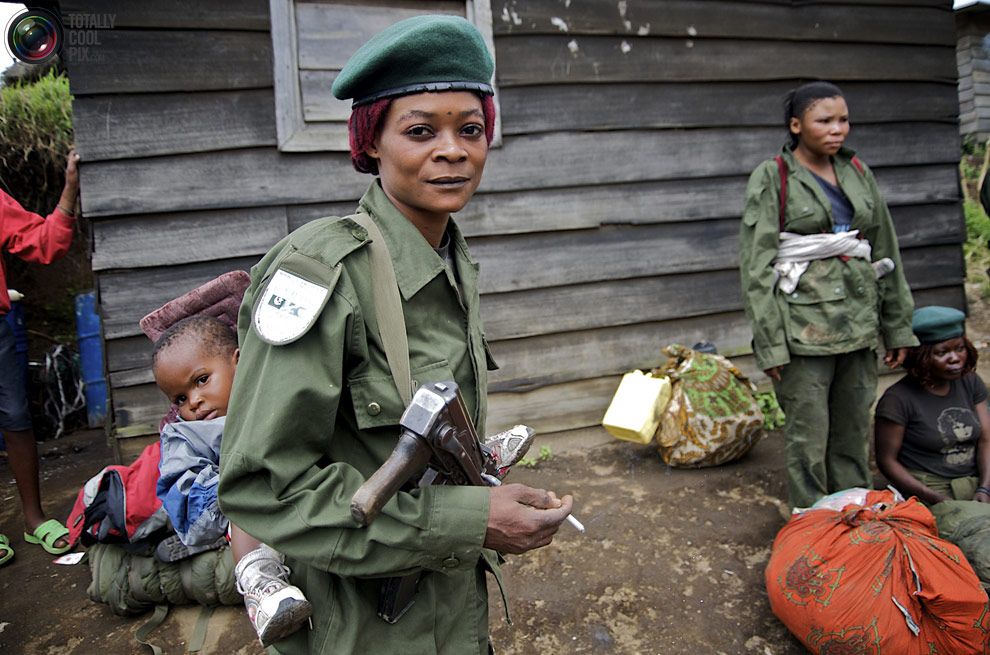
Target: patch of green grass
532, 462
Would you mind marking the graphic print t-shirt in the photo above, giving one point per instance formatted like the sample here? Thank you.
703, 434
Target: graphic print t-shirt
940, 432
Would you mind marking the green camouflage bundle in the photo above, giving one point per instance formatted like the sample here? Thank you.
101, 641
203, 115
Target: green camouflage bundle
133, 584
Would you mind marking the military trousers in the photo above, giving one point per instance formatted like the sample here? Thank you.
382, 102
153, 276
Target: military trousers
827, 401
956, 488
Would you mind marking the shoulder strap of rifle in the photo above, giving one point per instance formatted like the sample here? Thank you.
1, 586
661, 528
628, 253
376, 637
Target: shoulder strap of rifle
388, 308
782, 169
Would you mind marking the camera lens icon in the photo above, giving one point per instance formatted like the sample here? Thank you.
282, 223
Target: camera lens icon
34, 36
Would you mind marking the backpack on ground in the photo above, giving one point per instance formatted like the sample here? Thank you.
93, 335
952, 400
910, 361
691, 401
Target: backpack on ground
118, 505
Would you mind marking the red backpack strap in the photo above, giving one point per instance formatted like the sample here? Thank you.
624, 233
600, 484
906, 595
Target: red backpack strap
858, 164
782, 169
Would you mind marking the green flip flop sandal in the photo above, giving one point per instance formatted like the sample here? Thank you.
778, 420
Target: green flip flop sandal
6, 552
46, 534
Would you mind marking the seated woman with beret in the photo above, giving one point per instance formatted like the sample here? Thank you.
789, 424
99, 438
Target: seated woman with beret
933, 426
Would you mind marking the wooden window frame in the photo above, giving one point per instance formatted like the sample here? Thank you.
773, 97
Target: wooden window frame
295, 134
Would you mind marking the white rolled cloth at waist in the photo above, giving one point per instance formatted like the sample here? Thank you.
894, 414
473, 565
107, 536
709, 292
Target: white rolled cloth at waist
796, 251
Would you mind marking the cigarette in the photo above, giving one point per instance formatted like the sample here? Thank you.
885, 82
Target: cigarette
577, 524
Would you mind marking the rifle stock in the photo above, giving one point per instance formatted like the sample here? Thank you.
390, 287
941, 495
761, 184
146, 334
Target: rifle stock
410, 456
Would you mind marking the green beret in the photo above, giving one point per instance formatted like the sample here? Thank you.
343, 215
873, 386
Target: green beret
416, 55
934, 324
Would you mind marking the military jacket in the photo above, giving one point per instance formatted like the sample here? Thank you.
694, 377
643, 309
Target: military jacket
311, 419
838, 306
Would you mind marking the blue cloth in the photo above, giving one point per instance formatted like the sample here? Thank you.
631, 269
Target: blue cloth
14, 413
188, 475
842, 209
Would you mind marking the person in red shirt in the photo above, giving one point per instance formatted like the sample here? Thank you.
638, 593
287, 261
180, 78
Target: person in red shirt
32, 238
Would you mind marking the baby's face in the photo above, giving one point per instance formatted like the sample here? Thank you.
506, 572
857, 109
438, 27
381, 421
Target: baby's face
198, 383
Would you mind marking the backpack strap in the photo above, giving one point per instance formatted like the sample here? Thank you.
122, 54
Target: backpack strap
782, 170
388, 308
198, 638
141, 634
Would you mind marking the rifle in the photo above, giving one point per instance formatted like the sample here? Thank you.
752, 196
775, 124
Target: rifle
440, 444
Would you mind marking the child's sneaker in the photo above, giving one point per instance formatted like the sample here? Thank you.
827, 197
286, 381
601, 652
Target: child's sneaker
275, 607
171, 549
507, 448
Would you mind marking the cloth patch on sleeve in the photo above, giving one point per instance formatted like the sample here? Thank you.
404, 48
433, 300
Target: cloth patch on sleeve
290, 304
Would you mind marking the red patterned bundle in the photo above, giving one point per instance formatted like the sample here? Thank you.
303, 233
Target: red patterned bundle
876, 579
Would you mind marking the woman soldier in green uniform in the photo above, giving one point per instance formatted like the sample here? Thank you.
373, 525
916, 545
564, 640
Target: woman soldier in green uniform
822, 283
315, 411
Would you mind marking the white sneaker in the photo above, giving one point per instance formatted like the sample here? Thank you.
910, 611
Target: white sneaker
507, 448
275, 607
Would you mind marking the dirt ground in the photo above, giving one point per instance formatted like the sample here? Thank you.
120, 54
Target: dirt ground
672, 562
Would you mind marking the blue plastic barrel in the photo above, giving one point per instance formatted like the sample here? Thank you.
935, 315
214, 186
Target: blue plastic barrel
91, 359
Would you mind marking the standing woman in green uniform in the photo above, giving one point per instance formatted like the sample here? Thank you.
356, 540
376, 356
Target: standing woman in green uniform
822, 286
315, 410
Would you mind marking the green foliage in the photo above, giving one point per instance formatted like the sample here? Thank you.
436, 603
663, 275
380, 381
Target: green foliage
973, 154
35, 137
972, 147
22, 73
976, 248
773, 415
532, 462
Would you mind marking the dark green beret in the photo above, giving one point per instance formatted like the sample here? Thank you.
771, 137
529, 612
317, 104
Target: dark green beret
934, 324
419, 54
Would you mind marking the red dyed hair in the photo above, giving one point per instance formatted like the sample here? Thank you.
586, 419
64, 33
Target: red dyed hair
365, 124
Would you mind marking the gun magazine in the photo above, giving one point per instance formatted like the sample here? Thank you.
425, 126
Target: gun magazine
397, 595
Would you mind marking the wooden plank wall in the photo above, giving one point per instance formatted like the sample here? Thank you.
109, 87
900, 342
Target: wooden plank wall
606, 225
973, 59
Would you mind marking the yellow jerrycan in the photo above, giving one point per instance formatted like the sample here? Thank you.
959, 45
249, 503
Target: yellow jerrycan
637, 407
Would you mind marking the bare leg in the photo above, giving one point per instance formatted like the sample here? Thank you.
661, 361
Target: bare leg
241, 543
22, 453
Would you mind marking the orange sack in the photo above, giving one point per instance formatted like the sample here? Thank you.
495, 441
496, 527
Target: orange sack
875, 579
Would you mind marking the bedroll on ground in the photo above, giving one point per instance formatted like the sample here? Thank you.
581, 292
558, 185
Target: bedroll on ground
132, 584
967, 524
875, 579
